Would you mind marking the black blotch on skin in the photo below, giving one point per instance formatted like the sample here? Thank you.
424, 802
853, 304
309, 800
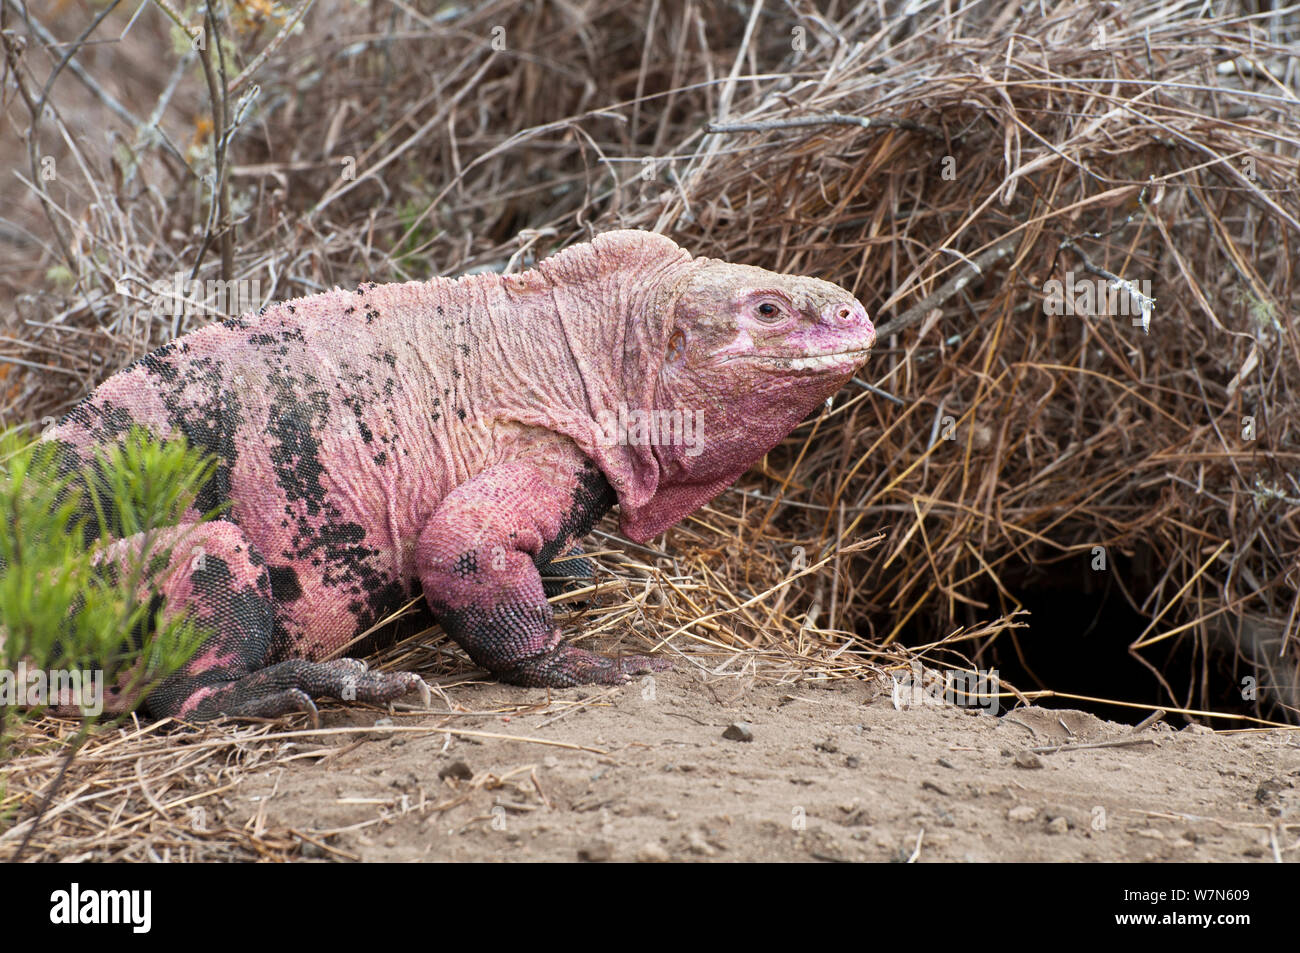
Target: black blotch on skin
592, 498
243, 617
567, 575
297, 458
245, 612
149, 624
381, 603
498, 638
284, 583
342, 534
381, 458
87, 473
466, 564
300, 412
207, 410
109, 571
102, 419
156, 362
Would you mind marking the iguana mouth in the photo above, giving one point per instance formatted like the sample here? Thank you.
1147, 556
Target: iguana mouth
806, 362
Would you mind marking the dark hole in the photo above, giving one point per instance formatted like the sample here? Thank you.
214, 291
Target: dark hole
1080, 626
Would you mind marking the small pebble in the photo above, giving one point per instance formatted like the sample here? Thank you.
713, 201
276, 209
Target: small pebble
652, 853
738, 731
457, 771
597, 852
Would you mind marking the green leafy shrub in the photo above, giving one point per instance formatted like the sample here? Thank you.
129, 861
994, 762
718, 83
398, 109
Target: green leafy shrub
64, 608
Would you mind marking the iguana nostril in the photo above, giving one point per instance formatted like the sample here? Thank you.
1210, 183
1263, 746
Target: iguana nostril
849, 315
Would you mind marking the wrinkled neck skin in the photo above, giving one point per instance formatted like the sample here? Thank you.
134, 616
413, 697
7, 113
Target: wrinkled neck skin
737, 419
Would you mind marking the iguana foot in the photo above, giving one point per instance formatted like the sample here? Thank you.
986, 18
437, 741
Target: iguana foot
566, 666
290, 686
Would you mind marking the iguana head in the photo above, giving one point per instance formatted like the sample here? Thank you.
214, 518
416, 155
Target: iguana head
678, 373
749, 354
739, 330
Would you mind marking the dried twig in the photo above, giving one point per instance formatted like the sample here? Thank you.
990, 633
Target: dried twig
828, 119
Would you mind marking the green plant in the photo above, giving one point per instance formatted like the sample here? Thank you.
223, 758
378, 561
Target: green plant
68, 602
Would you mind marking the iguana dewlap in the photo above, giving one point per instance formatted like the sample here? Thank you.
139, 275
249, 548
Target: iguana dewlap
452, 437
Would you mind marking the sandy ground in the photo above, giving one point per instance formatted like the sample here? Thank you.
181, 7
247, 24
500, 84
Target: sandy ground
833, 773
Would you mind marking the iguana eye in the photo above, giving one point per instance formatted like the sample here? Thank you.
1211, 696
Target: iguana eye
769, 312
676, 344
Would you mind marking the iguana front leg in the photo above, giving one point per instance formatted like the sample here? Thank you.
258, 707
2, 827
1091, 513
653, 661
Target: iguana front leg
478, 561
566, 573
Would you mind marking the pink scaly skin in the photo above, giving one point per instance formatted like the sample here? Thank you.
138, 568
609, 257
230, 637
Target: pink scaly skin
452, 437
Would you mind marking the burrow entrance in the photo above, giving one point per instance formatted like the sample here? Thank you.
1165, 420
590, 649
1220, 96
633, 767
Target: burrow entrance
1081, 624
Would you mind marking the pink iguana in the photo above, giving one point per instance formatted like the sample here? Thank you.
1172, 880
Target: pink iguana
453, 437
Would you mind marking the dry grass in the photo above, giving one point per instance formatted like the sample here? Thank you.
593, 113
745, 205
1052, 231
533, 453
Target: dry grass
1143, 142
